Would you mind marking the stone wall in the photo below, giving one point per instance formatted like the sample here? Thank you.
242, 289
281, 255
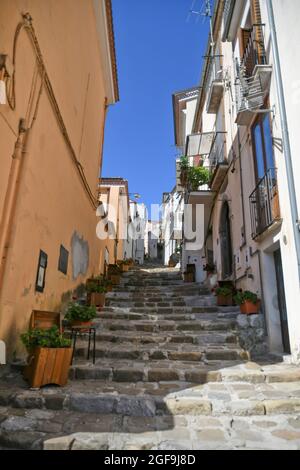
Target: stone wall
252, 333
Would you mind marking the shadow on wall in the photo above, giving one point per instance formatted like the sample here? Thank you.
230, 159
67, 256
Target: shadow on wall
80, 255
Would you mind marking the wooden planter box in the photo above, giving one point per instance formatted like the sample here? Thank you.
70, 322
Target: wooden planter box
125, 268
115, 279
225, 300
188, 277
97, 299
48, 366
249, 308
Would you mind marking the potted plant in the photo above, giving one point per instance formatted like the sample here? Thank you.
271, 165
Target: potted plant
80, 315
123, 265
198, 176
248, 301
184, 170
50, 355
209, 268
96, 293
224, 296
114, 274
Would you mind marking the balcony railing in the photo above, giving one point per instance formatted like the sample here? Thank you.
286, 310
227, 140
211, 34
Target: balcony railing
264, 204
217, 155
255, 52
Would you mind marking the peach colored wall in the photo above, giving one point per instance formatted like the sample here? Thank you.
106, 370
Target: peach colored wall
116, 215
52, 205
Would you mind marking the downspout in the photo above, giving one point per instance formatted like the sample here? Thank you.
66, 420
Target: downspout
285, 132
11, 196
242, 187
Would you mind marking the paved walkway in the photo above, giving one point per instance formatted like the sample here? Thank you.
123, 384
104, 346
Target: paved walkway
170, 374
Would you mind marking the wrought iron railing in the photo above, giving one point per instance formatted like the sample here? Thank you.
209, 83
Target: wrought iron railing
264, 204
255, 52
217, 155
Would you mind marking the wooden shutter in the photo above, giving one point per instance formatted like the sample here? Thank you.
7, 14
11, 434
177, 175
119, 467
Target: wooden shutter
259, 37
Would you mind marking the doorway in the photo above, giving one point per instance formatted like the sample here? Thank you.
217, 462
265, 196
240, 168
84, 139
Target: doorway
225, 242
281, 302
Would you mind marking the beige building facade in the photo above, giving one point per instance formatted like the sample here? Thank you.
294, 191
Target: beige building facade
58, 66
244, 133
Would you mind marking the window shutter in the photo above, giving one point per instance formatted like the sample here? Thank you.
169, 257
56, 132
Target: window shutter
259, 38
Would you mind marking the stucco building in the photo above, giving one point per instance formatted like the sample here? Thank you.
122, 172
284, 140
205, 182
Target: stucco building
58, 66
245, 131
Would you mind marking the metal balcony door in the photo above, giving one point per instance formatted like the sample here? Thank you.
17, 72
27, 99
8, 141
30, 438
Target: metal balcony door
281, 302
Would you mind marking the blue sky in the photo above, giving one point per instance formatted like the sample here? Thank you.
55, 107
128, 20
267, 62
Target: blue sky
159, 52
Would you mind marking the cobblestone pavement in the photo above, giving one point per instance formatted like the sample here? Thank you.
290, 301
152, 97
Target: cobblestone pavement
170, 374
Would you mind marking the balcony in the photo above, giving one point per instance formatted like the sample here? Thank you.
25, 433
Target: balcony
264, 205
215, 87
254, 76
218, 162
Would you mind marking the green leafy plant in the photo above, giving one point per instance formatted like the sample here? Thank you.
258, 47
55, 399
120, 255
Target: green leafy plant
210, 268
114, 269
224, 291
243, 296
45, 338
97, 288
184, 163
76, 312
198, 176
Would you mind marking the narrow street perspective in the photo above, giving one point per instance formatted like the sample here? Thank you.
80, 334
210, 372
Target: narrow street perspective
156, 310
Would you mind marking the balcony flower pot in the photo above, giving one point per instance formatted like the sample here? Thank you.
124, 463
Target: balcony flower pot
81, 324
50, 355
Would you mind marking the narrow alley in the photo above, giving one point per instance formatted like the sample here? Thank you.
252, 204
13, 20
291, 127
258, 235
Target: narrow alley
169, 374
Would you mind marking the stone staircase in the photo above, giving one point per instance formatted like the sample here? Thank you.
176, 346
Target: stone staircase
169, 374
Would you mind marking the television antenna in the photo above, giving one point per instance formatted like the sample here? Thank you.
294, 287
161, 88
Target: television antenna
205, 12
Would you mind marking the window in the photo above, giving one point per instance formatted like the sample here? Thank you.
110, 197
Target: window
41, 272
63, 260
263, 147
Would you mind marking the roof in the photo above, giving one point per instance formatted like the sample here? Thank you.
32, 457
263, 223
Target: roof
106, 40
112, 46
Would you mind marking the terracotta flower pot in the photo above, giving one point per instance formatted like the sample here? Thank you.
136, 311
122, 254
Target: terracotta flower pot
48, 366
125, 268
80, 323
249, 308
224, 300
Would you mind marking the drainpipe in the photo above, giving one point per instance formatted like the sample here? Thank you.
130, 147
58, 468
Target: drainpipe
242, 187
285, 132
12, 191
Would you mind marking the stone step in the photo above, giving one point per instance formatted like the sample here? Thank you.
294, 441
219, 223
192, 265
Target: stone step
215, 398
200, 338
159, 325
65, 430
167, 352
128, 370
177, 317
